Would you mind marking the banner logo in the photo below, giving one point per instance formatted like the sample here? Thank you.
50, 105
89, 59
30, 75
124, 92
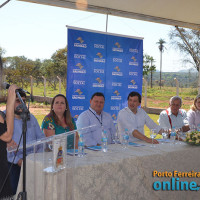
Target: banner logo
75, 117
117, 60
117, 72
99, 46
118, 49
77, 107
117, 84
80, 40
133, 86
99, 84
77, 82
79, 95
80, 70
79, 91
100, 58
133, 73
80, 56
81, 43
133, 62
133, 50
99, 71
114, 108
114, 117
116, 97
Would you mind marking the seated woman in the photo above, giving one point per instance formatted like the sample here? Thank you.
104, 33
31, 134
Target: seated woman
59, 120
194, 113
6, 132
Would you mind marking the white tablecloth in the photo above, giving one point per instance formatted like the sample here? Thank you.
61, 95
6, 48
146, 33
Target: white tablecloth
115, 175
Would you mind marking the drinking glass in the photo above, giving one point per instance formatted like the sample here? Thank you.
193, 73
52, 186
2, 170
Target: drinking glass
165, 133
153, 134
179, 132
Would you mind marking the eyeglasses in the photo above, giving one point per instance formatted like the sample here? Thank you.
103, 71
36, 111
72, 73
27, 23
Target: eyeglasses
18, 101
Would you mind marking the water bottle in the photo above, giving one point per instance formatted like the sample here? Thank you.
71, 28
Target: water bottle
104, 140
125, 139
81, 146
173, 134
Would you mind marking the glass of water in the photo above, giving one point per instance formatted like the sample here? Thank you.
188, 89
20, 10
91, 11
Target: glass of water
153, 134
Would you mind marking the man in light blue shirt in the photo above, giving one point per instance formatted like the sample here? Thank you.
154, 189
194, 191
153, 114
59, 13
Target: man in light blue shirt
96, 116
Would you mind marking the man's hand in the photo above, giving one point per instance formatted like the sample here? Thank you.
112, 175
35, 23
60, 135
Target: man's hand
149, 140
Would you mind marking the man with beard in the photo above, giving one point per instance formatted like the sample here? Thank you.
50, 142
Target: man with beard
33, 134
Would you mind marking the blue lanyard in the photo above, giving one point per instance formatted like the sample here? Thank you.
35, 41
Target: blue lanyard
97, 117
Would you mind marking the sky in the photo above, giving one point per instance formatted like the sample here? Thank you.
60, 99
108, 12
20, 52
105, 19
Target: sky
37, 31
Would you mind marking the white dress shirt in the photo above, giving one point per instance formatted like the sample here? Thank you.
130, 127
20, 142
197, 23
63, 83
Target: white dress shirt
177, 121
127, 119
193, 117
103, 121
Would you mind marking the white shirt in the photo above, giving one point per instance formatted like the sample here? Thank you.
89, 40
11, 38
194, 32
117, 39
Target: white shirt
193, 117
177, 121
127, 119
93, 135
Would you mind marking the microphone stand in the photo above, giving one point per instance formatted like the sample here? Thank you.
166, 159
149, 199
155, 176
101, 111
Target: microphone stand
24, 116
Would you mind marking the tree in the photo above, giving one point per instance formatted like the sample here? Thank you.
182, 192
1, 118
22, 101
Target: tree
161, 47
18, 70
190, 52
148, 66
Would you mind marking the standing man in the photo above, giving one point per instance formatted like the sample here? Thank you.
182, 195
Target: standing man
33, 134
96, 116
134, 119
174, 116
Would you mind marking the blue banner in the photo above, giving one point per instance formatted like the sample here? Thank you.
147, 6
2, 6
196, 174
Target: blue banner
99, 62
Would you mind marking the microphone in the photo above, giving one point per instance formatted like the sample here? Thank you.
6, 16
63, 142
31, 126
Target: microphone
7, 85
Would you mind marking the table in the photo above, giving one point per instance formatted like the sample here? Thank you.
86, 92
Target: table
115, 175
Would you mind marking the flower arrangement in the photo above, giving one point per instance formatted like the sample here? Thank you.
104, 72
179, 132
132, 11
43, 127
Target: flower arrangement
193, 138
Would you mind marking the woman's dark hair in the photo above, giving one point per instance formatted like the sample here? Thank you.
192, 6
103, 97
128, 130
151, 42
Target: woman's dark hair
132, 94
67, 114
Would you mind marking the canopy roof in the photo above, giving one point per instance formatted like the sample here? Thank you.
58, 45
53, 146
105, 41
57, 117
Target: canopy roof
183, 13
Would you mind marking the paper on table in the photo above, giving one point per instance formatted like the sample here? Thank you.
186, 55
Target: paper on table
136, 144
164, 140
94, 148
